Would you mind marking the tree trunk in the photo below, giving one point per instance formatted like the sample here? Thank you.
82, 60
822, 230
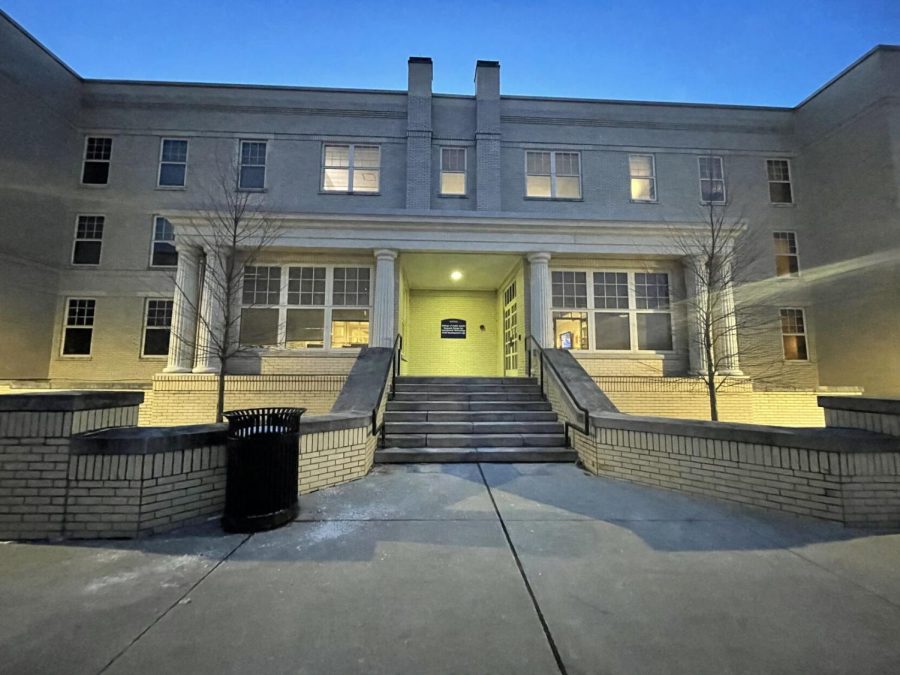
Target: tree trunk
220, 396
713, 398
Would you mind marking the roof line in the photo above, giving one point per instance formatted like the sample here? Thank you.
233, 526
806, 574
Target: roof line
833, 80
40, 45
237, 85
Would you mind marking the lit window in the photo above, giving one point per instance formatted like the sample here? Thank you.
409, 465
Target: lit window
793, 335
779, 173
97, 154
79, 329
88, 240
553, 175
163, 253
642, 171
253, 165
173, 162
351, 168
712, 180
157, 328
453, 171
570, 330
787, 262
349, 328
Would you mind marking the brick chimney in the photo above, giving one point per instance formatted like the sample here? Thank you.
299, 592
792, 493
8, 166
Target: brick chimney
487, 135
418, 133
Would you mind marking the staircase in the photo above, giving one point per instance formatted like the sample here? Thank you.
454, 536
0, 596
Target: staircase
471, 419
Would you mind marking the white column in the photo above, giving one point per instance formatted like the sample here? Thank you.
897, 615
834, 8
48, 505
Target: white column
209, 331
184, 311
697, 298
730, 362
383, 323
541, 323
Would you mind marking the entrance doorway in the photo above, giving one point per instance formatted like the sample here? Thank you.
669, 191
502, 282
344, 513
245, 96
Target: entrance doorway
510, 330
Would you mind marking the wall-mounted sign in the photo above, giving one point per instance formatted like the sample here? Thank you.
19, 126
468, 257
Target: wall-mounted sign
453, 328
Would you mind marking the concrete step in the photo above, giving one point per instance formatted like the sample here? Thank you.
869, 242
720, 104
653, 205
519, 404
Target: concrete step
472, 440
465, 396
392, 455
477, 428
408, 379
469, 388
466, 416
466, 406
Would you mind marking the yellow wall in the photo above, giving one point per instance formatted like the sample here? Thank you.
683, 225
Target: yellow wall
428, 354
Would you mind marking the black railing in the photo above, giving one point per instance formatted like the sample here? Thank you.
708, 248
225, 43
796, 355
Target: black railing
546, 362
396, 352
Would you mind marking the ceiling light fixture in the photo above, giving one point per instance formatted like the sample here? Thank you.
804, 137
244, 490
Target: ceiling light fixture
456, 275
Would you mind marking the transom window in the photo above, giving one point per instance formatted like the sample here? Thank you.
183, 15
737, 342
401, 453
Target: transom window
162, 251
793, 334
642, 172
623, 311
787, 260
779, 174
88, 240
157, 327
319, 306
253, 165
78, 331
553, 175
351, 168
453, 171
97, 155
173, 162
712, 180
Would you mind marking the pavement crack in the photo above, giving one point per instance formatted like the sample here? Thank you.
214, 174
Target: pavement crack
537, 608
173, 605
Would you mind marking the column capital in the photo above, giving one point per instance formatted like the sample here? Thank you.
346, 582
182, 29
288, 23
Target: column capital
186, 248
385, 254
540, 257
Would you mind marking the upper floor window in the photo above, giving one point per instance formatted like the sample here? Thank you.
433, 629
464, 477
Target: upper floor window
163, 253
642, 171
157, 327
88, 240
793, 334
78, 331
779, 174
351, 168
253, 165
553, 175
97, 154
787, 260
712, 180
173, 162
453, 171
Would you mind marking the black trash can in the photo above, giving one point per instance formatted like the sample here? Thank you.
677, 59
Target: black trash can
263, 451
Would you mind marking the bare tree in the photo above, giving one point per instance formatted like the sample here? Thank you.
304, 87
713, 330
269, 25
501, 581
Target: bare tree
233, 229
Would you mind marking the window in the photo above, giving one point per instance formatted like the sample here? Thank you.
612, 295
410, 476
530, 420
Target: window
253, 165
779, 173
157, 327
163, 253
627, 311
793, 335
712, 180
453, 171
173, 162
642, 171
351, 168
88, 240
97, 153
787, 262
319, 306
79, 329
553, 175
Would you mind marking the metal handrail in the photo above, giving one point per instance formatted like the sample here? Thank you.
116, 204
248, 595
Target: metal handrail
396, 355
544, 362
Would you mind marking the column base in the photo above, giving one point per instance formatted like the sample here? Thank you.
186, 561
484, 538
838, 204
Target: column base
731, 373
169, 370
205, 370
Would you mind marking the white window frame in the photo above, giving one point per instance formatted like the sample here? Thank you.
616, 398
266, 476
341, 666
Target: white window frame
265, 165
553, 176
805, 334
651, 177
76, 239
700, 180
65, 326
145, 328
632, 310
327, 308
350, 168
464, 172
85, 160
162, 143
153, 242
796, 254
789, 181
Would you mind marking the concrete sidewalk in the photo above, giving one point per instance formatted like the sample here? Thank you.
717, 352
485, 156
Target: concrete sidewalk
466, 569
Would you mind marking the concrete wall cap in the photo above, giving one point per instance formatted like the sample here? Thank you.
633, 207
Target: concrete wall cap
68, 401
147, 440
882, 406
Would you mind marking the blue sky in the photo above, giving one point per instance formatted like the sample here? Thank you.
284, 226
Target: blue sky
763, 52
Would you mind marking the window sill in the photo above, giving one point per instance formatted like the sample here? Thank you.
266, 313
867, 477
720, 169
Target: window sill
447, 196
644, 201
553, 199
170, 188
797, 362
90, 266
355, 193
284, 352
623, 354
162, 268
75, 357
783, 205
94, 186
703, 203
154, 358
243, 189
